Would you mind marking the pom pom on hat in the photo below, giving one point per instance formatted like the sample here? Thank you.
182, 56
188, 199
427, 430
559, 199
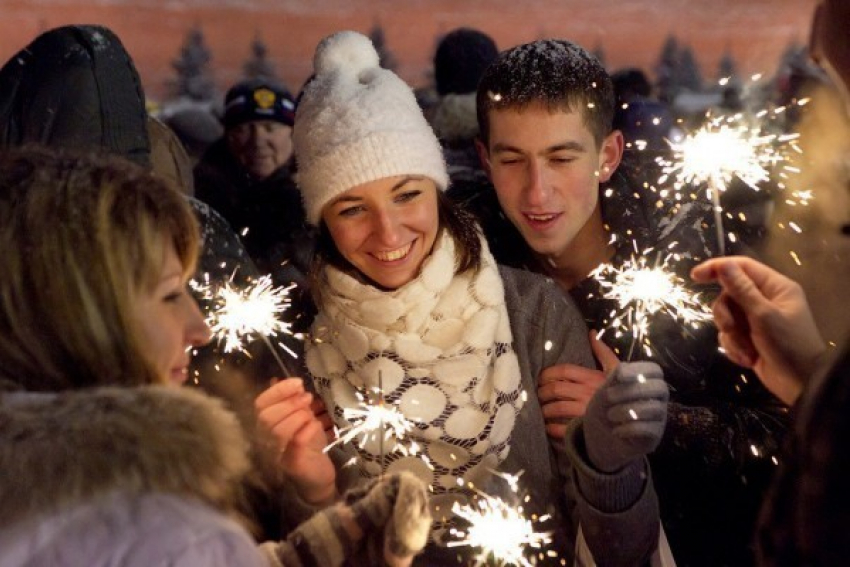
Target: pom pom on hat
357, 122
345, 51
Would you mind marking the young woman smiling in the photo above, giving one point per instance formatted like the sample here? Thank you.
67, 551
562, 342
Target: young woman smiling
411, 305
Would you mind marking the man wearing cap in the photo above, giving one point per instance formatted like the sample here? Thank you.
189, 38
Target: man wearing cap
246, 176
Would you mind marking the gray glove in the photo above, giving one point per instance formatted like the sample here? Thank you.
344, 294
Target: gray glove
625, 418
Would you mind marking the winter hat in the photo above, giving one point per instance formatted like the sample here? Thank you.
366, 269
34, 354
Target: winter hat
357, 123
460, 60
258, 99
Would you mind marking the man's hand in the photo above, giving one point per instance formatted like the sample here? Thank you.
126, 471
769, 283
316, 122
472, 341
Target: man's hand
764, 323
564, 390
284, 410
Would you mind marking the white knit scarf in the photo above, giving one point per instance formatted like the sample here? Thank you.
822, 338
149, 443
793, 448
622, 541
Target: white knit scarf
443, 347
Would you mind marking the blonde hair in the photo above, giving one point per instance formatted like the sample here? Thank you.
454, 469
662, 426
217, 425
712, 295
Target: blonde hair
81, 236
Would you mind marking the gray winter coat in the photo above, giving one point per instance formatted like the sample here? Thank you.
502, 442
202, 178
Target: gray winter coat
120, 476
547, 330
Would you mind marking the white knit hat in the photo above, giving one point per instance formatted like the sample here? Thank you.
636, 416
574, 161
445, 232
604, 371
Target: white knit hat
357, 122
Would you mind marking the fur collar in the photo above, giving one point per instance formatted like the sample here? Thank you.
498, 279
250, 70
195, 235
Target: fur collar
62, 449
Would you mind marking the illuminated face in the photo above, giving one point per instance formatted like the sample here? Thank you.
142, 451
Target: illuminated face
261, 146
546, 168
386, 228
170, 321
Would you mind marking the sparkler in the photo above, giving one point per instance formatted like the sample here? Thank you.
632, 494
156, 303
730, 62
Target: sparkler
728, 147
240, 314
499, 530
379, 420
642, 291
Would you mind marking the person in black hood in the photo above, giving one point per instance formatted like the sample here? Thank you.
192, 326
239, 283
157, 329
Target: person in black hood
77, 87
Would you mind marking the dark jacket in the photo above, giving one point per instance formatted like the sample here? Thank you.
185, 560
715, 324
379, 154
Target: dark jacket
267, 214
724, 428
806, 519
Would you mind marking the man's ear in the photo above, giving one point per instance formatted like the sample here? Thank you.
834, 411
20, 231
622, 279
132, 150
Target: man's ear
610, 155
483, 157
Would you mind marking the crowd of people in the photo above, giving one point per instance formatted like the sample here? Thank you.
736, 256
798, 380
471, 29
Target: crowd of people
444, 263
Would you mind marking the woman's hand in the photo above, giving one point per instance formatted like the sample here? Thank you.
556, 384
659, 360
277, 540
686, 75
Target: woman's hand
764, 323
284, 410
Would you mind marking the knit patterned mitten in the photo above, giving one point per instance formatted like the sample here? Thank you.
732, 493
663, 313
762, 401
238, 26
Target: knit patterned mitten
391, 515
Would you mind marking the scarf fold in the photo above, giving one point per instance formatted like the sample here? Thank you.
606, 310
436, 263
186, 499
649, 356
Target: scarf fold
440, 351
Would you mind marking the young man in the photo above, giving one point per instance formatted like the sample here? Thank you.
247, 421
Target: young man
545, 112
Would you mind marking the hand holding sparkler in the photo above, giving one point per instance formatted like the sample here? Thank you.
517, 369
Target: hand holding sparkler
284, 411
625, 419
764, 323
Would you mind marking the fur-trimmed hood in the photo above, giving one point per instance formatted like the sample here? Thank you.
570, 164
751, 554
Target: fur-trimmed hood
454, 118
62, 449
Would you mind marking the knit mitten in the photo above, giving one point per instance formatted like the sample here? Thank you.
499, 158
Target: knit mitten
399, 503
625, 418
390, 514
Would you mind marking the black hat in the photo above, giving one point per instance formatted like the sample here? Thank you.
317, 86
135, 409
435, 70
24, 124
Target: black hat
460, 60
257, 99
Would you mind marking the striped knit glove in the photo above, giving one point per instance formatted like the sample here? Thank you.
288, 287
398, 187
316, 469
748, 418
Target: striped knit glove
383, 523
625, 418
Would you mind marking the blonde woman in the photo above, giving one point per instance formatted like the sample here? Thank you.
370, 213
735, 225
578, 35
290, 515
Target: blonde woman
105, 460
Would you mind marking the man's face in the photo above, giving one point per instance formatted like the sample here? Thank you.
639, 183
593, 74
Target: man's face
261, 146
546, 167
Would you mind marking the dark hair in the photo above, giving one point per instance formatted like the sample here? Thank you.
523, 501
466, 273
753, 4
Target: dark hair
629, 83
460, 60
556, 73
459, 223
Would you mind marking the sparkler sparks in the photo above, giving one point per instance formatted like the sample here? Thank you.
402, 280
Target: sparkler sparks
238, 315
376, 420
726, 148
499, 530
642, 291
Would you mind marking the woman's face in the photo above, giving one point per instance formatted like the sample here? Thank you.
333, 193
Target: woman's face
386, 228
170, 321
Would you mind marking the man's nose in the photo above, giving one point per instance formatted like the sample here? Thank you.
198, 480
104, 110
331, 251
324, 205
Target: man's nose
536, 187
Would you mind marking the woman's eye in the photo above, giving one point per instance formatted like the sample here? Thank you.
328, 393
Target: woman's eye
350, 211
408, 196
173, 296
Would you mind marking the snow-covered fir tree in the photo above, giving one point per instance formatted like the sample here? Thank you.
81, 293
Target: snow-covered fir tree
386, 59
194, 78
689, 74
666, 70
259, 65
599, 53
727, 68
